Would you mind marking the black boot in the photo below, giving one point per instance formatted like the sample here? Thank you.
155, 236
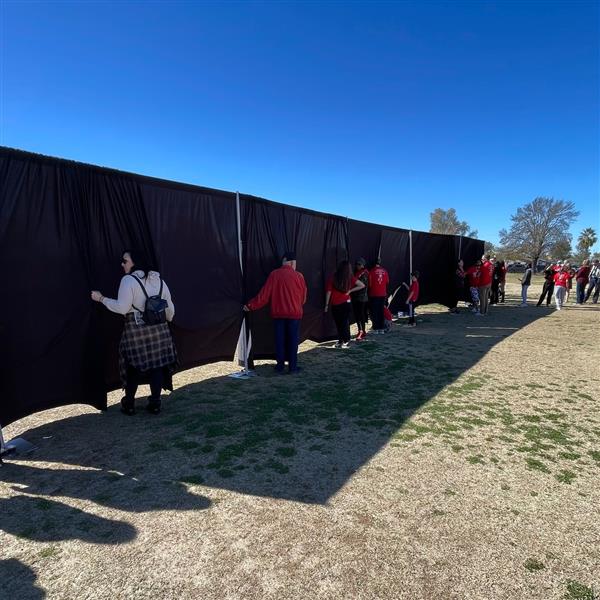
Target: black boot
153, 405
128, 406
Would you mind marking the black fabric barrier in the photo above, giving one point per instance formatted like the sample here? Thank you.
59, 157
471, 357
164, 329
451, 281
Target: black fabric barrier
64, 225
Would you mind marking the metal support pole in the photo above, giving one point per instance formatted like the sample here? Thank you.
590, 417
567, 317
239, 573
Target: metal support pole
410, 250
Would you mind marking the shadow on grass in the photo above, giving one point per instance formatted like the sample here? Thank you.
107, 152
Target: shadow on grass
18, 581
296, 437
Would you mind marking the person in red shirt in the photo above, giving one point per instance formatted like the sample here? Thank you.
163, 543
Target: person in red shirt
582, 277
285, 290
561, 283
474, 273
485, 283
413, 296
339, 287
378, 282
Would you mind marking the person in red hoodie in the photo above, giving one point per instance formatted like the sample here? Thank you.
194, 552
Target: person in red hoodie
378, 282
485, 283
285, 290
413, 296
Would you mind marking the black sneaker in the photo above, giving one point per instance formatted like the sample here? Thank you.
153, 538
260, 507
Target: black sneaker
153, 406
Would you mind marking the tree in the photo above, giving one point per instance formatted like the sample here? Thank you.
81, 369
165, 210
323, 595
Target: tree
587, 238
562, 249
537, 228
446, 221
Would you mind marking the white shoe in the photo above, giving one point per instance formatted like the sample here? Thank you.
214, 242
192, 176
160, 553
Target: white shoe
345, 345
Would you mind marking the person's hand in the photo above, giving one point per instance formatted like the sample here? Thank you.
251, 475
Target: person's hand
97, 296
245, 308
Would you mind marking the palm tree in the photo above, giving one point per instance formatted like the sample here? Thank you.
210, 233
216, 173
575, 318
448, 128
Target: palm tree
587, 238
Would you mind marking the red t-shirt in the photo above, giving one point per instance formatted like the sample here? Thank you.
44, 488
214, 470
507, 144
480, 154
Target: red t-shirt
338, 297
562, 279
378, 282
414, 290
285, 289
473, 273
487, 271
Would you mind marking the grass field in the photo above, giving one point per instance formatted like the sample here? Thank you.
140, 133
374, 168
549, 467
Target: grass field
456, 460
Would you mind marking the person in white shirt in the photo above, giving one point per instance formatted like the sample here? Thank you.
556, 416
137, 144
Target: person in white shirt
147, 353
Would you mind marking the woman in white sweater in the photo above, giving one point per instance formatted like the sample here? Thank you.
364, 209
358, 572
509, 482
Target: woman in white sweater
147, 353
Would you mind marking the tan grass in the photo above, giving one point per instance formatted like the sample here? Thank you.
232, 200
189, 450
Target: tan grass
468, 469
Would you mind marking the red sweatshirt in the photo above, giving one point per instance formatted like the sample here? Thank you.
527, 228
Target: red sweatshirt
562, 278
378, 282
473, 274
487, 271
285, 289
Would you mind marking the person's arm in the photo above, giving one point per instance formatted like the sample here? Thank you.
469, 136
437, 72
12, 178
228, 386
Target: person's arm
170, 312
263, 297
358, 286
124, 302
327, 298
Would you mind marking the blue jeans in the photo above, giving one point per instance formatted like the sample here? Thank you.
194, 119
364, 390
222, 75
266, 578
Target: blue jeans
580, 292
286, 343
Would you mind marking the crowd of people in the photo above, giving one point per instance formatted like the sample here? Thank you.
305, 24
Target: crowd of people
147, 353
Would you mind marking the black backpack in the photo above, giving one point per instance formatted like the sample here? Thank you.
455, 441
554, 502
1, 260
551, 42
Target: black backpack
155, 311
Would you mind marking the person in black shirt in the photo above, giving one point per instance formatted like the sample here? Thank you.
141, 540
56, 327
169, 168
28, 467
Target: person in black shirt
548, 288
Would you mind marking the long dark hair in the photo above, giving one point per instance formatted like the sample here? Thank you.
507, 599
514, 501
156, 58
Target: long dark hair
141, 261
342, 278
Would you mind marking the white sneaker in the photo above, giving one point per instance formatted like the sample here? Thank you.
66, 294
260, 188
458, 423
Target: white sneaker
345, 345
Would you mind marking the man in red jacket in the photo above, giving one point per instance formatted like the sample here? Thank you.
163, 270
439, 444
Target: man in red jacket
285, 290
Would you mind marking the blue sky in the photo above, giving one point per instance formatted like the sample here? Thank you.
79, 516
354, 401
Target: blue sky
378, 111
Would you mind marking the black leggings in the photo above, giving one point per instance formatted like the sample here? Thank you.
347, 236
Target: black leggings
341, 316
360, 314
135, 378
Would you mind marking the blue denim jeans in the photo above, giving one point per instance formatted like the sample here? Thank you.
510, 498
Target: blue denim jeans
287, 333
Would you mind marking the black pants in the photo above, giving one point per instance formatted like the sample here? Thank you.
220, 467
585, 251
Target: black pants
360, 314
495, 297
341, 316
135, 377
547, 289
376, 304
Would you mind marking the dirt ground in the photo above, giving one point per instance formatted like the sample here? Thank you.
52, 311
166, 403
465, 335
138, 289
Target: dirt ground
456, 460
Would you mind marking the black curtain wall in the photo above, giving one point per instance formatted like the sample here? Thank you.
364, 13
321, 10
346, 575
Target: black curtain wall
64, 226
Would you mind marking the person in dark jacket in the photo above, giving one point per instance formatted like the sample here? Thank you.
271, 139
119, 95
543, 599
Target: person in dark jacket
548, 289
285, 290
360, 298
525, 283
